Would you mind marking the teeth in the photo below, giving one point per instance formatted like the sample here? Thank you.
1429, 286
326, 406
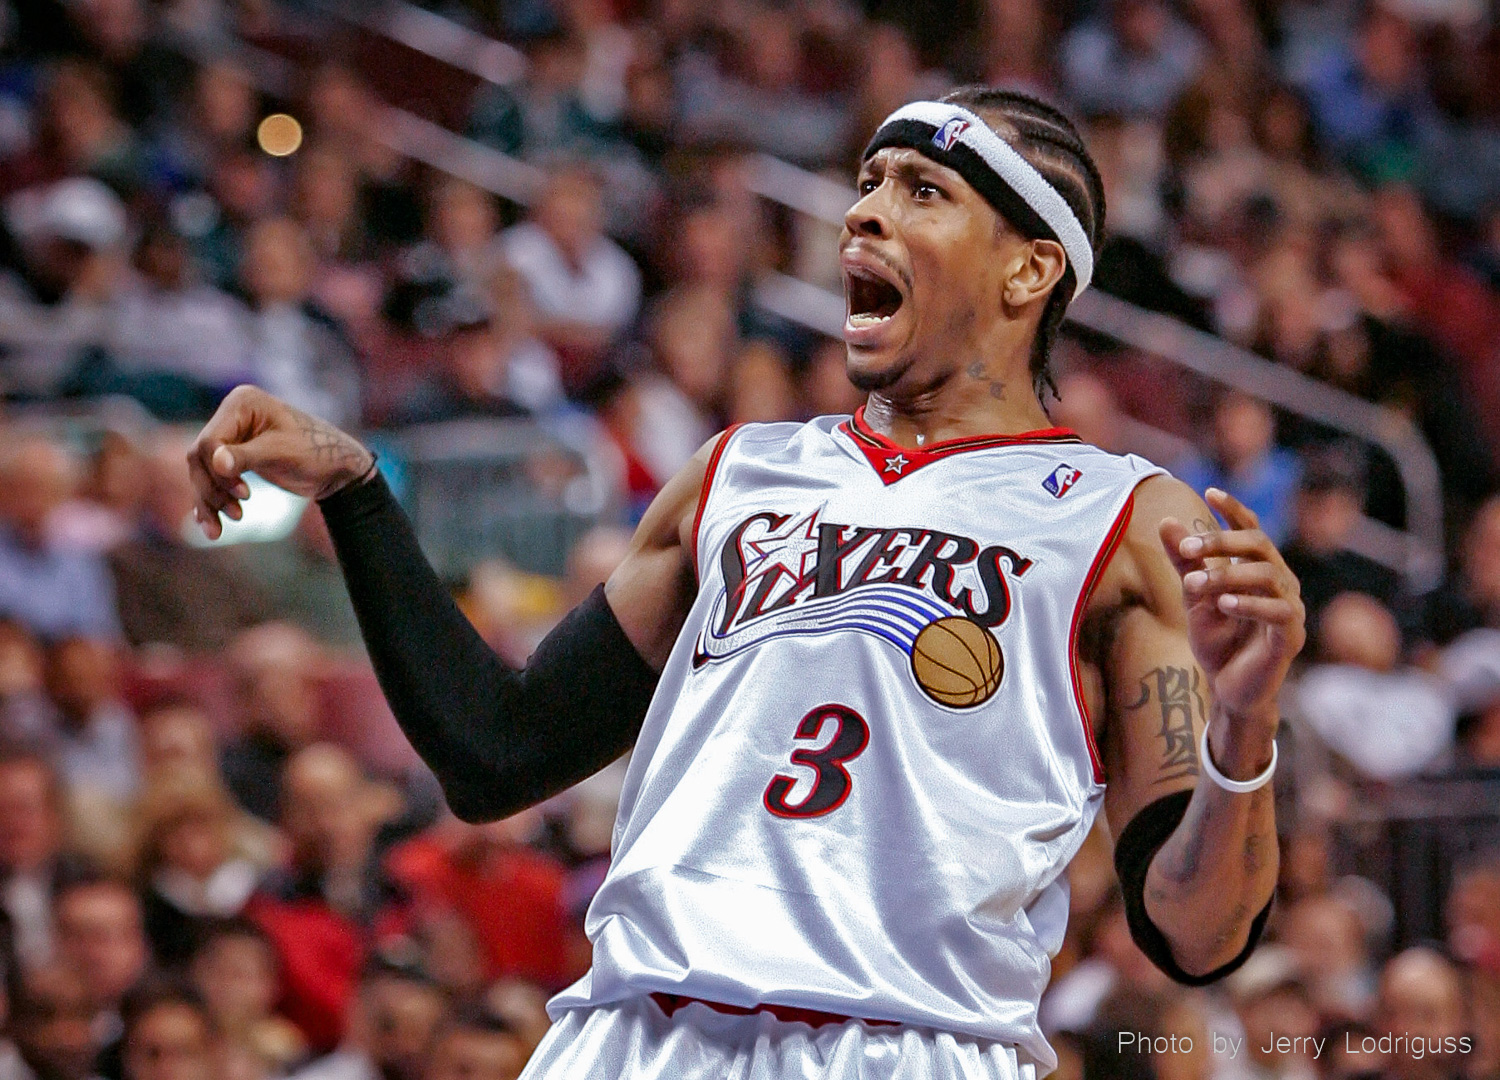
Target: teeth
863, 318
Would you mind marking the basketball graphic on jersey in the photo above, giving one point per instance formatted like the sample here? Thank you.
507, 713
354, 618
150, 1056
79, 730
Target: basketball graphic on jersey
957, 662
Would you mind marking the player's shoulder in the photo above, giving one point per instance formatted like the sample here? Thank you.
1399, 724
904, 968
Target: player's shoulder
755, 438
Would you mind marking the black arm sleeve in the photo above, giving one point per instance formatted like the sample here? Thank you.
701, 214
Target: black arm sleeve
497, 739
1140, 840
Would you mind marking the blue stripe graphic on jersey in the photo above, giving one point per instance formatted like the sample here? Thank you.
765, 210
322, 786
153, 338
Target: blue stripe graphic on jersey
891, 612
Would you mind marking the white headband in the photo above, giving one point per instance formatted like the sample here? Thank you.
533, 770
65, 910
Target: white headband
956, 125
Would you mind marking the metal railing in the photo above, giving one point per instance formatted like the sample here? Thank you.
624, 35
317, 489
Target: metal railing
477, 489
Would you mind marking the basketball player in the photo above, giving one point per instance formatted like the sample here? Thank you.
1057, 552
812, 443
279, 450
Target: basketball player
876, 669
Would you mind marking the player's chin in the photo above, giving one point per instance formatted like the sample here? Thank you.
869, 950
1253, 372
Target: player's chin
876, 351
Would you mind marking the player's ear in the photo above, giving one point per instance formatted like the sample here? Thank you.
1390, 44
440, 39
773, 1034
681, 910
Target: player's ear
1038, 266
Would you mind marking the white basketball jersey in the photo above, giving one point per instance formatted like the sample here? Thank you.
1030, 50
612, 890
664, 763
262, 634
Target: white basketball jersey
834, 804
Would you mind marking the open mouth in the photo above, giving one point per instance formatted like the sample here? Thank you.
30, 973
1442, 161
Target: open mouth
872, 299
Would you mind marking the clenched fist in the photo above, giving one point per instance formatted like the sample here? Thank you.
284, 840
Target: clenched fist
255, 432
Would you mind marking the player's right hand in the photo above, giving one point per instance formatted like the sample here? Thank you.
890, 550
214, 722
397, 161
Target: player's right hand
255, 432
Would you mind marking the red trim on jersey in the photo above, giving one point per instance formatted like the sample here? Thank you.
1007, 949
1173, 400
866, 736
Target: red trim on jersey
891, 461
791, 1014
1101, 559
708, 480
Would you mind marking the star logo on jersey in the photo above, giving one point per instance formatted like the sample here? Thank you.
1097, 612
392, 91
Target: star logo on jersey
896, 464
948, 134
791, 550
1061, 480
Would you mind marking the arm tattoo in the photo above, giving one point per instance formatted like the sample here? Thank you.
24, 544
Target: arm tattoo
1177, 695
1201, 526
977, 370
1254, 853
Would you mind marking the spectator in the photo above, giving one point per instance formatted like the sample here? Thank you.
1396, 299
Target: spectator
332, 904
693, 341
297, 351
177, 342
51, 1022
1422, 997
1369, 98
24, 707
511, 896
475, 1045
585, 288
767, 106
275, 666
1272, 1001
117, 34
1328, 507
168, 1035
221, 119
301, 578
171, 592
1247, 463
95, 741
761, 389
1470, 599
87, 135
31, 853
1134, 59
461, 252
1445, 300
398, 1012
68, 271
191, 875
826, 386
53, 592
1328, 938
1387, 720
235, 970
486, 370
101, 936
177, 743
546, 115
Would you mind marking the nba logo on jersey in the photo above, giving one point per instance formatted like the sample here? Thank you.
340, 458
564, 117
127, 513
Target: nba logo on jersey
1063, 477
948, 134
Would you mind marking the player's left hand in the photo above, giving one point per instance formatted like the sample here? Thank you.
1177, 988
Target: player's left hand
1245, 617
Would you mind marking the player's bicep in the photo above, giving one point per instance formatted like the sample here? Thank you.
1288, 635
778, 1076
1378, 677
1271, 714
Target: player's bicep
1158, 699
652, 589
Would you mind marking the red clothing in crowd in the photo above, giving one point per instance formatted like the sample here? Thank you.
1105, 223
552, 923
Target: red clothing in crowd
511, 897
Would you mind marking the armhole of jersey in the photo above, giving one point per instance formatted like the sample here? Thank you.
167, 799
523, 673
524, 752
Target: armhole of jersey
708, 482
1096, 570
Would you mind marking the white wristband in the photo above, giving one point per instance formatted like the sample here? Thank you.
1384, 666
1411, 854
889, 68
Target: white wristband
1239, 787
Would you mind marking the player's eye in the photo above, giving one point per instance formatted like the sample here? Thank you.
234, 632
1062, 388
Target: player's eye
867, 185
924, 191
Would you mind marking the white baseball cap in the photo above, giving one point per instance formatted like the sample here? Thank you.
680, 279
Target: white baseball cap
80, 209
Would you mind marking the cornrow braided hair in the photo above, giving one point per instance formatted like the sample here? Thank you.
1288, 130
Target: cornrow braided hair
1047, 139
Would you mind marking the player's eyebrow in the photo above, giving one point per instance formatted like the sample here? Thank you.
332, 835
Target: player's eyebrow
906, 164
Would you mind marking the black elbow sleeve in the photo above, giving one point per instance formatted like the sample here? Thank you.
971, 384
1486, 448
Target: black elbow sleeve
1138, 844
582, 698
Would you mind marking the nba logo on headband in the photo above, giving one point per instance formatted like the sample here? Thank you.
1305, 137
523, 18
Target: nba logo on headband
948, 134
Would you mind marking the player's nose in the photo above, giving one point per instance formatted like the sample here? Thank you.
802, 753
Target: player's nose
868, 216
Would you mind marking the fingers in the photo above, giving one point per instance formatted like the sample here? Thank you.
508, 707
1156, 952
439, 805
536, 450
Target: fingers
1173, 533
1246, 578
1236, 543
228, 463
215, 468
1236, 513
1279, 611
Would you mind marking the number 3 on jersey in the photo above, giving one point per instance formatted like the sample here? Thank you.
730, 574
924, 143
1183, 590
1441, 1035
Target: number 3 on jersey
851, 736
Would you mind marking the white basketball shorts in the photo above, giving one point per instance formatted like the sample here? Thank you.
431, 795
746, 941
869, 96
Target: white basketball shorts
637, 1040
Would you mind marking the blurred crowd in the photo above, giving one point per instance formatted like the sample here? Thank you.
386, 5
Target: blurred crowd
218, 857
